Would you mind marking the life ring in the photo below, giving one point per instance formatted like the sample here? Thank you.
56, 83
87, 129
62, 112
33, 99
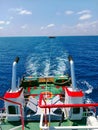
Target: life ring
48, 94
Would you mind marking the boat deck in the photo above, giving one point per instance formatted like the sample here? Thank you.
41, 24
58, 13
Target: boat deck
5, 125
12, 125
36, 117
37, 90
50, 86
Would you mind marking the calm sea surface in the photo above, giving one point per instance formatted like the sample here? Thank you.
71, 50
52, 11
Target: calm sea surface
45, 56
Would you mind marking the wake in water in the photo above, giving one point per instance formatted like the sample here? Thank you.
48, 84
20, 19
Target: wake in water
43, 66
90, 87
47, 59
62, 65
47, 67
86, 87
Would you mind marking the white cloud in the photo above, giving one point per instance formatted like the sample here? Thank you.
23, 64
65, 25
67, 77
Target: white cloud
2, 22
84, 12
48, 26
25, 12
24, 26
21, 11
87, 27
7, 22
85, 16
1, 28
69, 12
94, 24
82, 28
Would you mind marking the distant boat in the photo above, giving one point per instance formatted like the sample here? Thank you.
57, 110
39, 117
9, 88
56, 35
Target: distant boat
52, 37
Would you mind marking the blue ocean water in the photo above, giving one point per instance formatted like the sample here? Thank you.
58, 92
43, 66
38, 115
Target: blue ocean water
48, 56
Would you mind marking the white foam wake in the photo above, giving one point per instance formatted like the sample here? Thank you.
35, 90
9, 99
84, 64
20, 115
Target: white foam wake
47, 68
61, 67
47, 63
90, 88
31, 67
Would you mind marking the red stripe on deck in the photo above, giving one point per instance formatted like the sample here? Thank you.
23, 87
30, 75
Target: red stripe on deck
29, 88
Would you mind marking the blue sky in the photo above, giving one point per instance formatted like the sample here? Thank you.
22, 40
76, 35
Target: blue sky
48, 17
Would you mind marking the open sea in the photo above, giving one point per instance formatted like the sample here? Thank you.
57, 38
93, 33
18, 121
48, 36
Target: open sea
45, 56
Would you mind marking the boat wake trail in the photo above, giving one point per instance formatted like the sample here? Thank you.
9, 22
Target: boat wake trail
44, 66
47, 67
90, 88
31, 66
86, 87
46, 61
62, 65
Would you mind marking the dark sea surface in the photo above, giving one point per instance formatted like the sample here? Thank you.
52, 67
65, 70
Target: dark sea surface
45, 56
